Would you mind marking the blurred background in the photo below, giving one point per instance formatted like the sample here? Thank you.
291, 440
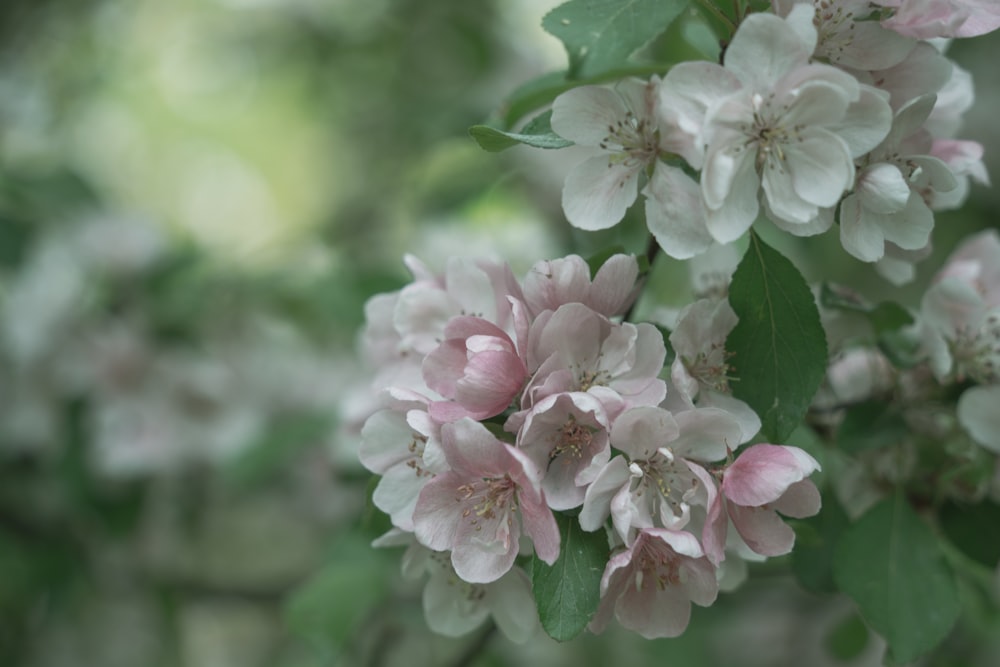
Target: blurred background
196, 199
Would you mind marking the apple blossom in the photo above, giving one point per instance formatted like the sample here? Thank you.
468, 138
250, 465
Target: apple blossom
924, 19
763, 480
476, 508
650, 585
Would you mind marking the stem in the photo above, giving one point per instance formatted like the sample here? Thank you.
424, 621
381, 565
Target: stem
718, 13
652, 250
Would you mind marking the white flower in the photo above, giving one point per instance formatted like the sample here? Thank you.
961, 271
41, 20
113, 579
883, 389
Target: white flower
790, 128
847, 38
621, 121
888, 201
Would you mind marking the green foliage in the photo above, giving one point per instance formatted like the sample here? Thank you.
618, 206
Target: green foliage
891, 564
271, 454
600, 35
848, 639
965, 527
329, 608
538, 133
815, 545
778, 347
568, 591
870, 425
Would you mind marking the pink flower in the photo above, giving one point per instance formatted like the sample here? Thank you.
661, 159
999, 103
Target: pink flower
476, 508
649, 587
566, 435
660, 478
764, 480
553, 283
478, 367
577, 349
846, 38
926, 19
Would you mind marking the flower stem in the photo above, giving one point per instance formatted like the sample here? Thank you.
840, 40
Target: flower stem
719, 14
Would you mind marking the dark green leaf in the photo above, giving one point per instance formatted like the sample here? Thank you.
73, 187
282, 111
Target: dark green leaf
778, 347
815, 544
567, 592
870, 425
891, 564
537, 133
965, 526
600, 35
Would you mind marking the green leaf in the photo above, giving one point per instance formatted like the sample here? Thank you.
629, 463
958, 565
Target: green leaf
848, 639
964, 527
815, 544
596, 260
328, 608
870, 425
884, 317
892, 565
567, 592
537, 133
600, 35
778, 347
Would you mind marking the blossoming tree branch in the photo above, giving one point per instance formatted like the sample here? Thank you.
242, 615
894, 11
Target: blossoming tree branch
546, 459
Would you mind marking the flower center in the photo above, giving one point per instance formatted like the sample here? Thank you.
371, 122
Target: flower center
977, 352
768, 135
416, 448
572, 440
487, 498
634, 141
655, 564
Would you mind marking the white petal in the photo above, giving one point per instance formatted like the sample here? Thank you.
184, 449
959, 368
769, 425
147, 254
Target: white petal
585, 114
820, 166
882, 188
674, 213
765, 48
598, 192
979, 414
729, 186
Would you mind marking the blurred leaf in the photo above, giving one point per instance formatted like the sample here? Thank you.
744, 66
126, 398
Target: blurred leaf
329, 609
815, 545
891, 564
538, 133
884, 317
964, 526
568, 591
870, 425
848, 639
285, 438
778, 347
600, 35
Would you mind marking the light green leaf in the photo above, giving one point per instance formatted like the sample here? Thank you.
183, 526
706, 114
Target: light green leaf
600, 35
567, 592
891, 564
778, 347
537, 133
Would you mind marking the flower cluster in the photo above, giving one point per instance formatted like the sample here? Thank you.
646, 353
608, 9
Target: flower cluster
506, 402
817, 113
